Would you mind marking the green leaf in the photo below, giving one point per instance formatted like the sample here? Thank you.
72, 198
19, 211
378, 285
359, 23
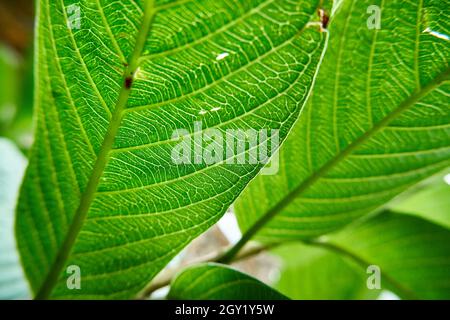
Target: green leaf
413, 254
102, 191
432, 202
9, 83
217, 282
377, 123
314, 273
12, 167
16, 92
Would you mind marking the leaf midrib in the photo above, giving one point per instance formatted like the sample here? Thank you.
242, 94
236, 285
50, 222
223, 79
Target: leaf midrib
307, 183
88, 195
410, 101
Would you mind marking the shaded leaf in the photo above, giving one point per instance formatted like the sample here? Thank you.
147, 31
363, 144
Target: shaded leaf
217, 282
413, 254
312, 273
432, 202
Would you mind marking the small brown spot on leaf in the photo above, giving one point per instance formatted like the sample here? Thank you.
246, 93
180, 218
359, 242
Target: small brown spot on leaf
128, 82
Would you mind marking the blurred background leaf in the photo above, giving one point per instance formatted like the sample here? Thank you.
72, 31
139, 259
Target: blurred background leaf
431, 202
311, 273
16, 71
16, 108
16, 24
411, 253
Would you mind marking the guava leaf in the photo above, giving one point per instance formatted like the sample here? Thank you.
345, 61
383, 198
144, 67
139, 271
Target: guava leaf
377, 123
431, 202
411, 253
115, 79
218, 282
313, 273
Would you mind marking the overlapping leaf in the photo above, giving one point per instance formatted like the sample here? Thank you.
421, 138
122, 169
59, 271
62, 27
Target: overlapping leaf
310, 272
102, 192
401, 253
218, 282
413, 254
377, 123
431, 202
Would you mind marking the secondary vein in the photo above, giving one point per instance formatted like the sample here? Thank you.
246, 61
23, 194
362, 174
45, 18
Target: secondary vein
306, 184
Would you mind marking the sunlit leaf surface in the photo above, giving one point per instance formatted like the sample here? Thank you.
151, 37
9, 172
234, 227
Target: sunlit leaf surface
377, 123
114, 80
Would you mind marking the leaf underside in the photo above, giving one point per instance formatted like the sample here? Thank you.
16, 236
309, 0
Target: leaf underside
218, 282
378, 122
101, 191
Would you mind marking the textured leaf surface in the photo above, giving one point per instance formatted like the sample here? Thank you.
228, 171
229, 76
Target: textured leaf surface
12, 167
102, 191
217, 282
413, 254
377, 123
